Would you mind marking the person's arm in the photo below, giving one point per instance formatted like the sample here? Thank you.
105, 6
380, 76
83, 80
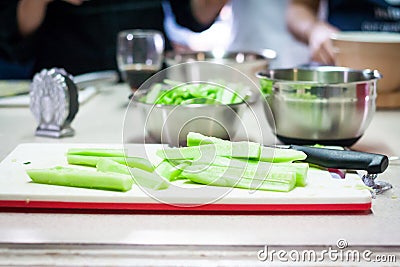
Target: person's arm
303, 22
196, 15
30, 14
205, 11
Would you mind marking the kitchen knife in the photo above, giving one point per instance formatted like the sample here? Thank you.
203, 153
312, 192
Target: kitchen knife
343, 159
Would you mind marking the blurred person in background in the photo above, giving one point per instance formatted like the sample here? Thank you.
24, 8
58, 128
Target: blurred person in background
259, 25
80, 36
185, 40
246, 26
362, 15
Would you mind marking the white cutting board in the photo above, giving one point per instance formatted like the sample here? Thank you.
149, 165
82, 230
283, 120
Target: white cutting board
17, 190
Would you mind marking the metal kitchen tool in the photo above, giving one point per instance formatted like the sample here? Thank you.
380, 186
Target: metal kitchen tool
54, 102
372, 163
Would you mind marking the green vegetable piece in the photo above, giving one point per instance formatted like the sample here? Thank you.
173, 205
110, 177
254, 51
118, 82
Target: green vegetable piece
140, 177
239, 149
108, 165
269, 154
218, 176
272, 154
153, 94
81, 178
193, 93
133, 162
261, 168
100, 152
235, 150
170, 170
196, 139
149, 179
258, 174
266, 86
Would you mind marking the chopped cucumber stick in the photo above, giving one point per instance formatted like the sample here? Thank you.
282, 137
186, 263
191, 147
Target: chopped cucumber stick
133, 162
81, 178
101, 152
272, 154
279, 181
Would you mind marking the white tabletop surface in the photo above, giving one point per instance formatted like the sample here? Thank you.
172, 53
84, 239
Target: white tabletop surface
100, 120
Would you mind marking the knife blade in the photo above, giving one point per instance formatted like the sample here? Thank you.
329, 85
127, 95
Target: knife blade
343, 159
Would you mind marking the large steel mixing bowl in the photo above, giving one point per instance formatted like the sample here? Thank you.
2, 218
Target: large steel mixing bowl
248, 63
321, 105
170, 124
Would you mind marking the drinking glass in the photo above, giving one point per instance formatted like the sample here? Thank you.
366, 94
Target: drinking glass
139, 55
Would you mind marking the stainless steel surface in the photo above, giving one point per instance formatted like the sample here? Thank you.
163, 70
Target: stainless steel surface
320, 104
378, 187
173, 58
249, 63
170, 124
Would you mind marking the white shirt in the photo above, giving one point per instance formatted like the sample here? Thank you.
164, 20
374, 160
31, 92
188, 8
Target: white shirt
260, 24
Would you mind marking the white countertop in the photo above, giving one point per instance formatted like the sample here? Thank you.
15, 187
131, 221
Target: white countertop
100, 120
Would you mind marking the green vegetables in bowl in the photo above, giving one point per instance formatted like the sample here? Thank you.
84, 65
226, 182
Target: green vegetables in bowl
177, 93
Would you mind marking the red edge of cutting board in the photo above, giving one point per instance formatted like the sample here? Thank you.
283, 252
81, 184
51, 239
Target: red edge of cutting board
98, 206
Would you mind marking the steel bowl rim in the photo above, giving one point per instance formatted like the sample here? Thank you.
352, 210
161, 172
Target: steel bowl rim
375, 75
226, 55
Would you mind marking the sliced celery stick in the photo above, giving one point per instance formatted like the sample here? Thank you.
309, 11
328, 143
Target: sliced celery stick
283, 181
133, 162
137, 162
269, 154
108, 165
301, 169
140, 177
251, 149
196, 139
253, 174
169, 170
101, 152
229, 149
149, 179
81, 178
272, 154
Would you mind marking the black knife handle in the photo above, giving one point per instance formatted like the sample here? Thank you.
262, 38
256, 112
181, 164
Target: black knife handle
344, 159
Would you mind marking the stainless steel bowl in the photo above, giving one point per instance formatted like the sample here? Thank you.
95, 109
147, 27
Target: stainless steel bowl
170, 124
324, 105
248, 63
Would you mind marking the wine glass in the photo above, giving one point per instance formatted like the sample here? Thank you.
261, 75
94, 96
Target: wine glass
139, 55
